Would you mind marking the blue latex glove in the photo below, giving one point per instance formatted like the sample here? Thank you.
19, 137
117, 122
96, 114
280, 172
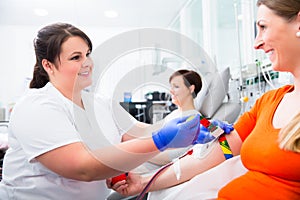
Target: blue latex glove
223, 125
177, 133
205, 135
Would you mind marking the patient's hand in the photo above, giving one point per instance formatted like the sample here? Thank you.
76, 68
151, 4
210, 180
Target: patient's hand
131, 186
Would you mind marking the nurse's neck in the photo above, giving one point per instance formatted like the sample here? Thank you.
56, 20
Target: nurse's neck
72, 95
78, 101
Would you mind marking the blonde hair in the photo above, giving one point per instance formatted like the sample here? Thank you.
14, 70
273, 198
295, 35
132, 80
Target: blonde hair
289, 136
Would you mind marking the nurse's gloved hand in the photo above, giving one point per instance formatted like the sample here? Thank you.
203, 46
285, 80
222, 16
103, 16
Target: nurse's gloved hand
223, 125
204, 136
179, 132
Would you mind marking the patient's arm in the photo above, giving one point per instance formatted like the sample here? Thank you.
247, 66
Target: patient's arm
189, 165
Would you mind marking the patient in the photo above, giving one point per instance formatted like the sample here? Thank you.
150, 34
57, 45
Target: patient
270, 156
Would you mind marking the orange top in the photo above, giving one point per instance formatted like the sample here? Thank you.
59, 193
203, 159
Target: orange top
273, 173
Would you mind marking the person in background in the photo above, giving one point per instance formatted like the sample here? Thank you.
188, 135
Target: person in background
57, 149
185, 85
272, 171
184, 88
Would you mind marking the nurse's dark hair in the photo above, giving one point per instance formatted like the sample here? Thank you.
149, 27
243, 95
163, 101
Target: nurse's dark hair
190, 77
287, 9
47, 45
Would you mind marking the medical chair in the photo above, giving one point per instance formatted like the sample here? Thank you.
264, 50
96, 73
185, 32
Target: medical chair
214, 102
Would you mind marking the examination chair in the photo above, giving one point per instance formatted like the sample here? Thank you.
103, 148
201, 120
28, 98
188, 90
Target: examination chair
214, 102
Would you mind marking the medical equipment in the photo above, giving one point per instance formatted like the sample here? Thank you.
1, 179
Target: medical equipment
225, 147
119, 178
259, 77
265, 71
145, 190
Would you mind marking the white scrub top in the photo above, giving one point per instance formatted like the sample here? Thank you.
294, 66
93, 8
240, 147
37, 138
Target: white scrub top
44, 120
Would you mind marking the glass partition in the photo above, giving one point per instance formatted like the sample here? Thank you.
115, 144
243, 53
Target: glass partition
225, 30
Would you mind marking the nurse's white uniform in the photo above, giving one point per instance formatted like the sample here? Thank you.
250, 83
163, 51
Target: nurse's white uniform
44, 120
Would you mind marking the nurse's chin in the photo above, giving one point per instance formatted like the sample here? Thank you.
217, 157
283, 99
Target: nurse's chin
85, 84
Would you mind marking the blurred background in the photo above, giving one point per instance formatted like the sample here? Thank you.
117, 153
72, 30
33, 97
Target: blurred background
224, 29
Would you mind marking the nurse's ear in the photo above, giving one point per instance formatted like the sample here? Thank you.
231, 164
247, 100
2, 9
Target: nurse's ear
48, 66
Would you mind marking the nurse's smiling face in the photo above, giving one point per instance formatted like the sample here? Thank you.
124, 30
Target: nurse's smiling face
74, 66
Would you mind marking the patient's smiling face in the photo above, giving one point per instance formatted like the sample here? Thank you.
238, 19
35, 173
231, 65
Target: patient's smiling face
180, 92
277, 38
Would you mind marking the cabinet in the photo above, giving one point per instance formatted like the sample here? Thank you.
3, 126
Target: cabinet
148, 111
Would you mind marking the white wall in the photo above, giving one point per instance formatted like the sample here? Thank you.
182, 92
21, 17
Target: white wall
18, 59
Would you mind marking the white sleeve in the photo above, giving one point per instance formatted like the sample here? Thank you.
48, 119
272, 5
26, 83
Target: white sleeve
41, 125
124, 121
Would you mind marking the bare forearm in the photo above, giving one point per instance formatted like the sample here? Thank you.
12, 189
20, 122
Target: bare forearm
127, 155
191, 166
75, 161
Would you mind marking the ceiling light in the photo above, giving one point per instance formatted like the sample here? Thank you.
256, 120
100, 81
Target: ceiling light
40, 12
111, 14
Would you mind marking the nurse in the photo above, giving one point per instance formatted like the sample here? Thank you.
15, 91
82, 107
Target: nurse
56, 149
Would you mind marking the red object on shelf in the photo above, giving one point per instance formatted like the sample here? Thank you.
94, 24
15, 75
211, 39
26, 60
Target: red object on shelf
118, 178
